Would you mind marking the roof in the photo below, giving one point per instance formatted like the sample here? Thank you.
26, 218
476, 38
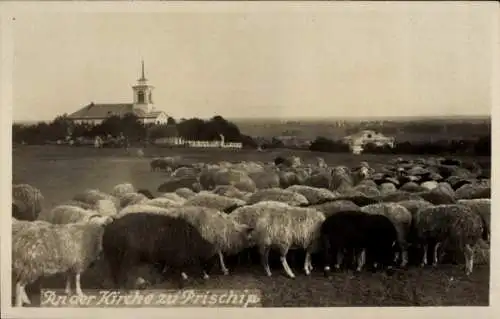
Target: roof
364, 133
102, 111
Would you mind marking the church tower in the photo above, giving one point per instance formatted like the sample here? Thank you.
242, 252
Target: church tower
143, 94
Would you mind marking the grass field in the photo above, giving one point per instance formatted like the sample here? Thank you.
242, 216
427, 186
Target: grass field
61, 172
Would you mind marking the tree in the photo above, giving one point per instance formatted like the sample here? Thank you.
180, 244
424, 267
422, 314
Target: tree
171, 121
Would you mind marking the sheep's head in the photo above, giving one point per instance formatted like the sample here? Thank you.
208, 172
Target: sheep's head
244, 236
101, 220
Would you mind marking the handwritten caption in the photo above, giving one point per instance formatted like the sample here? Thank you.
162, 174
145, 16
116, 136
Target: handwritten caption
152, 298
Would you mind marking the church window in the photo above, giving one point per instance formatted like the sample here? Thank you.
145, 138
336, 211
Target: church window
140, 97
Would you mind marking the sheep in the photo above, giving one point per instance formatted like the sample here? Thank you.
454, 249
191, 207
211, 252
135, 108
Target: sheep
429, 185
131, 199
31, 199
387, 188
413, 206
289, 178
185, 192
229, 191
312, 194
471, 191
332, 207
146, 193
400, 196
170, 241
42, 249
454, 224
367, 190
161, 202
412, 187
173, 183
279, 195
214, 201
153, 207
66, 214
159, 164
265, 179
400, 217
364, 234
226, 234
174, 197
122, 189
341, 179
284, 226
438, 196
209, 179
481, 206
185, 171
91, 196
104, 207
319, 180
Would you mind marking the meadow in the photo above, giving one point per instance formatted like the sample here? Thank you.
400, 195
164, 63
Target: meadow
60, 172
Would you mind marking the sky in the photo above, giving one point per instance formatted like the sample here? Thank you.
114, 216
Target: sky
260, 60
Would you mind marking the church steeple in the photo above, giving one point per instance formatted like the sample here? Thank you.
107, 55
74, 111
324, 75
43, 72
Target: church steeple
143, 93
143, 78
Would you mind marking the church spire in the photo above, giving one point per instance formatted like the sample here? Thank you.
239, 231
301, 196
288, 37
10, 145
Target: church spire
143, 78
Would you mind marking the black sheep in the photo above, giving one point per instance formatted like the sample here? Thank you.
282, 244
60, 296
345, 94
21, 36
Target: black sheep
355, 231
155, 239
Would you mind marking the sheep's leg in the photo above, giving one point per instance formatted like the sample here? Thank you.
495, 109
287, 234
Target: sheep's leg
67, 290
361, 260
404, 257
396, 256
264, 255
424, 257
469, 259
222, 264
285, 265
340, 258
19, 292
78, 288
24, 295
307, 263
435, 259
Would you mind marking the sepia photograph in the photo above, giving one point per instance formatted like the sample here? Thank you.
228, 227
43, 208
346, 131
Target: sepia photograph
247, 155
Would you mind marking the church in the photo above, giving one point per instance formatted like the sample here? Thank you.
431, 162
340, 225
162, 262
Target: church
142, 106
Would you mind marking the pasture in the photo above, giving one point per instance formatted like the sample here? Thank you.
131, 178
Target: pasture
60, 172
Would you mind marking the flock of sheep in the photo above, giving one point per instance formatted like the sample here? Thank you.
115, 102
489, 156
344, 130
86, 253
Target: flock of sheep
205, 214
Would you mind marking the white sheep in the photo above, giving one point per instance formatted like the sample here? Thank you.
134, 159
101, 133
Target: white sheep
91, 196
313, 195
185, 192
278, 224
66, 214
31, 199
42, 249
209, 200
278, 195
132, 199
174, 197
104, 207
162, 202
122, 189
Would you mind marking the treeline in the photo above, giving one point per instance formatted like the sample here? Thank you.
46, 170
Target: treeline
478, 147
130, 127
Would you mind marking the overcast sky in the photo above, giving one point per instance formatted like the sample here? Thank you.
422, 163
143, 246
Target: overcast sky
335, 60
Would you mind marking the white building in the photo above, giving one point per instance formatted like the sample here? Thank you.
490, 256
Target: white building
142, 106
358, 140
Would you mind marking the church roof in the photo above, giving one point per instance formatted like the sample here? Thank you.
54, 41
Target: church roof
102, 111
